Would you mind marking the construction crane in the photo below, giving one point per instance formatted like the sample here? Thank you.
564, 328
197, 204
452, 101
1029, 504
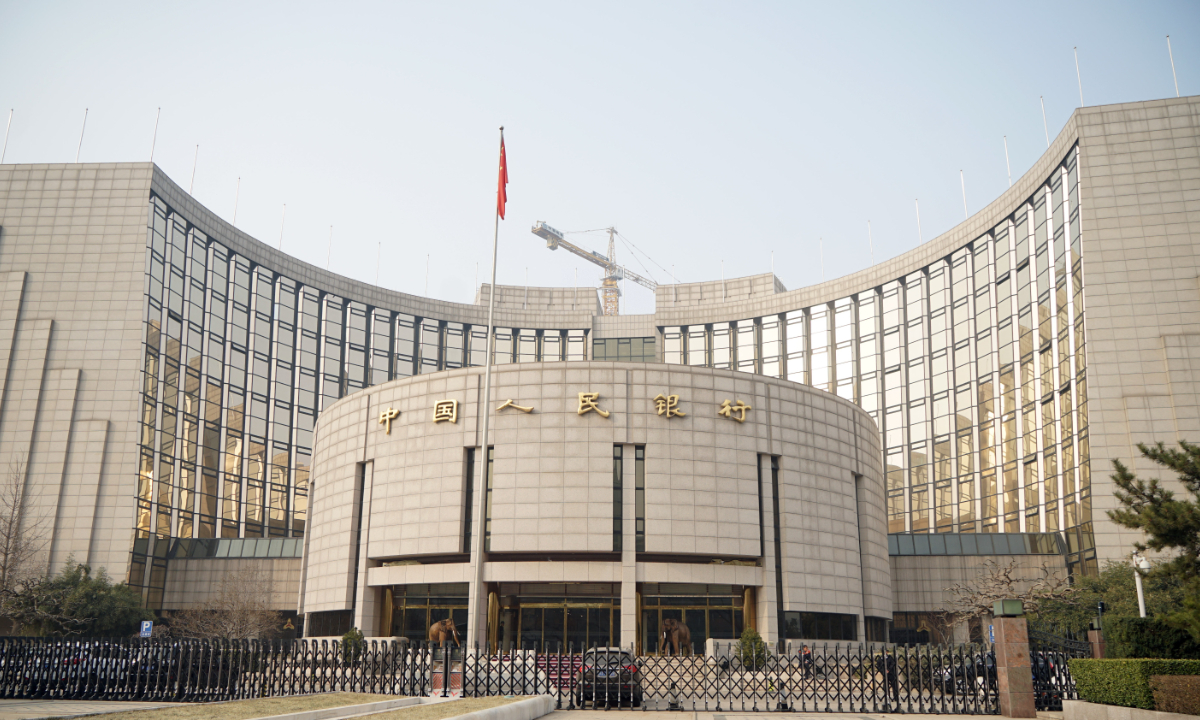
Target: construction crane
610, 291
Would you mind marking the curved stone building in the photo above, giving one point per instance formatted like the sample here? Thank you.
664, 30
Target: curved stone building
600, 514
163, 376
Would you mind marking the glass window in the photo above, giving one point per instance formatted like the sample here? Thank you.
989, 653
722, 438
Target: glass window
504, 346
430, 346
772, 347
697, 346
673, 345
747, 346
405, 346
527, 345
576, 345
552, 346
454, 350
722, 346
796, 347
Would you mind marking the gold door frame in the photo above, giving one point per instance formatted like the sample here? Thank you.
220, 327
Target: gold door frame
610, 606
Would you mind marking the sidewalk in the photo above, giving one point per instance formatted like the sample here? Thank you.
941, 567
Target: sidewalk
614, 714
26, 709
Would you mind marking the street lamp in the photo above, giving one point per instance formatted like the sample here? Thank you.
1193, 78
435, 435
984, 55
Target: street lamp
1142, 564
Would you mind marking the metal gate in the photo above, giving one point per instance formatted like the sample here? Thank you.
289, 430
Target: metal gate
820, 678
1049, 651
863, 678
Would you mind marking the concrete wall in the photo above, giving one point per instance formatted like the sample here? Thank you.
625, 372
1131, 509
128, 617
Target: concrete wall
1140, 181
919, 582
192, 582
72, 264
520, 297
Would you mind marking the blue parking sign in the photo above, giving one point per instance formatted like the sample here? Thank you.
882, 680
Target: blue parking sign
147, 628
991, 634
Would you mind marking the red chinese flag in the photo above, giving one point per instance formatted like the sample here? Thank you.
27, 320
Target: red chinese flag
501, 193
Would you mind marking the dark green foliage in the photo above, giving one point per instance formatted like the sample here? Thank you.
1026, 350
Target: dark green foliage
352, 645
1135, 637
752, 651
1124, 682
1115, 586
1176, 693
1169, 524
78, 602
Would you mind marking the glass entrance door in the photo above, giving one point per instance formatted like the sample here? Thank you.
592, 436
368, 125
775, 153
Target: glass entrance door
574, 626
708, 611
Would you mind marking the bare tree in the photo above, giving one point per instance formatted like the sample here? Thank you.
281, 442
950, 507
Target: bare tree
22, 539
239, 609
997, 581
941, 626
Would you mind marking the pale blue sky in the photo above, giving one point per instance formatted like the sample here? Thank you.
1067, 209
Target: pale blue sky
705, 132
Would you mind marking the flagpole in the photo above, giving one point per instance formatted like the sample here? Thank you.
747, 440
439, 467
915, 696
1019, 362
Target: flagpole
478, 602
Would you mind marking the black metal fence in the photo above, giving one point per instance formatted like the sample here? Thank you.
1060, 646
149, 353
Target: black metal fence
820, 678
1049, 650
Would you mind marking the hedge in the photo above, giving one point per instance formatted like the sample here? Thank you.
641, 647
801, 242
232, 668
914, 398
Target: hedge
1176, 693
1124, 682
1131, 637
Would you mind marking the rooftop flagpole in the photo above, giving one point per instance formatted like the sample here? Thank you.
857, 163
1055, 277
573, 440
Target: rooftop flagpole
477, 601
1171, 55
9, 127
154, 137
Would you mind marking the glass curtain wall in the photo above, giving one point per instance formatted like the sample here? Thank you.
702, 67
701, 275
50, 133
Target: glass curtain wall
973, 368
239, 361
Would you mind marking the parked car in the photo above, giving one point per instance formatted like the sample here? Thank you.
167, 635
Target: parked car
608, 675
977, 674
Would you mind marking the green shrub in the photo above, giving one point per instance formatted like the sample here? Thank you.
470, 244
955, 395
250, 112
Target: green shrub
1135, 637
751, 650
1176, 693
1124, 682
352, 645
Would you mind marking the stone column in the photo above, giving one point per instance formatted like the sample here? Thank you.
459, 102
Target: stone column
366, 599
1014, 676
1096, 640
767, 612
629, 618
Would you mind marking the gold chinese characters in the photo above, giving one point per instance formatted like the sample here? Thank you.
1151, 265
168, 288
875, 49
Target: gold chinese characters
386, 417
734, 411
445, 410
668, 405
664, 405
509, 403
588, 403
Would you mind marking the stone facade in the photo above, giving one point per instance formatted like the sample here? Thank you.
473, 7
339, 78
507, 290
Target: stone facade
708, 488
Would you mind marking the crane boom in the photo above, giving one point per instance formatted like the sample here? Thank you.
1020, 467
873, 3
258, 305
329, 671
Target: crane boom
612, 271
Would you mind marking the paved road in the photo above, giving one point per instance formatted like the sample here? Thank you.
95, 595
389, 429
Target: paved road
27, 709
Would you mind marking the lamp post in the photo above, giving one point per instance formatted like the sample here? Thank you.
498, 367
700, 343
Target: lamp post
1142, 564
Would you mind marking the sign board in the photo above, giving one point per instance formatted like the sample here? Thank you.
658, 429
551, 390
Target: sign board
991, 634
147, 628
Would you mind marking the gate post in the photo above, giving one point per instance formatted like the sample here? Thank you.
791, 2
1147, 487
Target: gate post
1014, 676
1096, 640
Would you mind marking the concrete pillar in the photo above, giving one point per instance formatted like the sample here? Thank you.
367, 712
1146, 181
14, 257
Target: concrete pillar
366, 599
768, 608
476, 630
629, 618
1014, 676
1096, 640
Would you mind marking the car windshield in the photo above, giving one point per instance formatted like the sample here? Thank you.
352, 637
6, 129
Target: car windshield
616, 658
